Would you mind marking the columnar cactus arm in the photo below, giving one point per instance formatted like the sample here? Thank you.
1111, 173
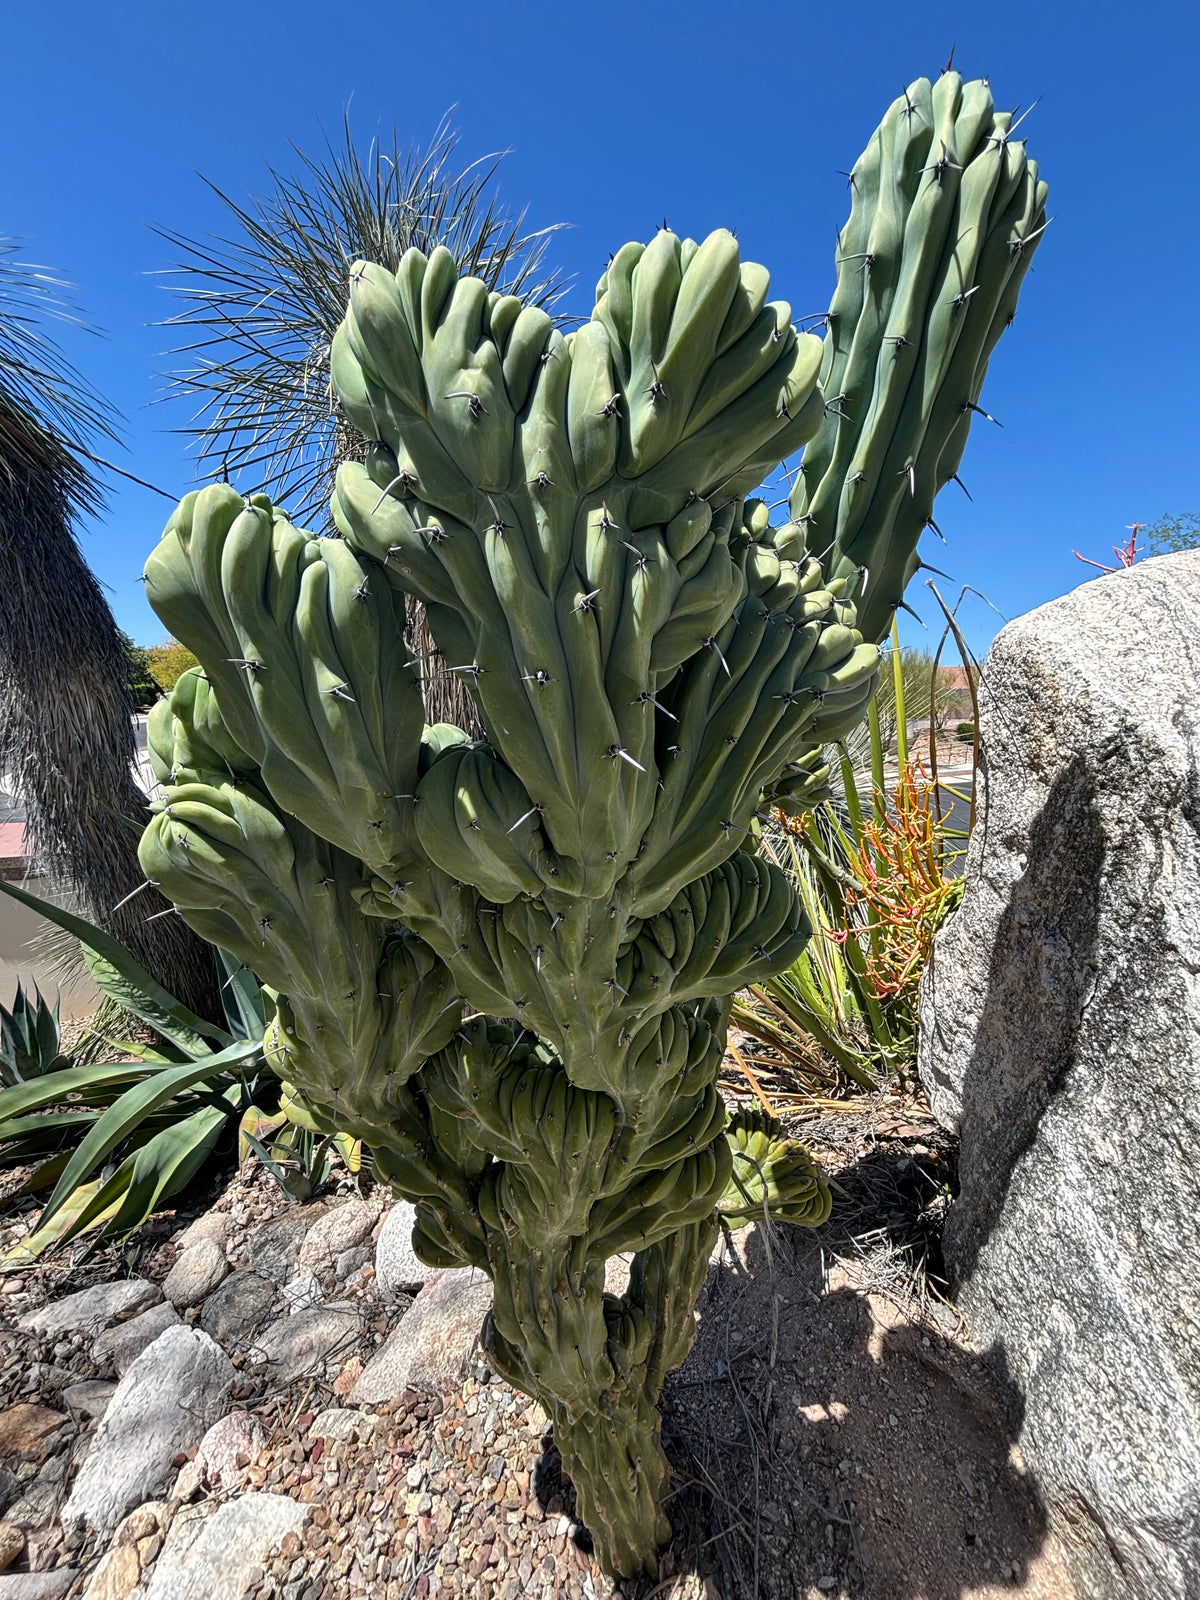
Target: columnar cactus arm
304, 646
947, 211
585, 577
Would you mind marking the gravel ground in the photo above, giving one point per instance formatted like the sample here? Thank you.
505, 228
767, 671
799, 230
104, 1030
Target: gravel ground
832, 1433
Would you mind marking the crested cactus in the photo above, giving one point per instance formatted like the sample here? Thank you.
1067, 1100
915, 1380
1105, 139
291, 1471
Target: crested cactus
506, 965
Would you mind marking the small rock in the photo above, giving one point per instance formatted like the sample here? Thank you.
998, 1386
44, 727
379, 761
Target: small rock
339, 1229
196, 1274
34, 1510
237, 1308
165, 1403
37, 1585
25, 1430
616, 1274
120, 1347
229, 1448
274, 1249
305, 1342
12, 1542
435, 1337
349, 1262
118, 1572
348, 1377
89, 1399
397, 1265
343, 1424
140, 1524
303, 1293
212, 1225
215, 1557
92, 1310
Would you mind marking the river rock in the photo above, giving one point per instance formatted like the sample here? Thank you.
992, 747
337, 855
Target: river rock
398, 1268
1060, 1035
340, 1228
307, 1342
26, 1431
196, 1274
89, 1399
275, 1248
433, 1340
120, 1347
212, 1225
94, 1309
12, 1542
171, 1395
37, 1585
227, 1451
219, 1557
237, 1308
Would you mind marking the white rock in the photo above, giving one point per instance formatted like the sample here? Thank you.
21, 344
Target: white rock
214, 1557
197, 1273
171, 1395
1060, 1035
307, 1342
397, 1266
212, 1225
343, 1423
433, 1340
228, 1450
36, 1585
92, 1310
121, 1346
339, 1229
303, 1293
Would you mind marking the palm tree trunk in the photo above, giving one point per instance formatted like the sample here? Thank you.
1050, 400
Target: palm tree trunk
66, 728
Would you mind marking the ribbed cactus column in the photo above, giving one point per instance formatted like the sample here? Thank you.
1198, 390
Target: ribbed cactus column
506, 963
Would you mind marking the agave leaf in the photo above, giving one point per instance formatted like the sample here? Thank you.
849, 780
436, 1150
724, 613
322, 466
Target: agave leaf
48, 1122
96, 1201
245, 1012
350, 1150
125, 1114
86, 1081
147, 1052
119, 975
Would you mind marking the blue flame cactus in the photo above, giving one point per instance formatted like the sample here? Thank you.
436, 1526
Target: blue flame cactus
506, 965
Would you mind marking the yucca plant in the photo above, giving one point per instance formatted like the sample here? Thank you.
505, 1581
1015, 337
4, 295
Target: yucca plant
117, 1138
262, 305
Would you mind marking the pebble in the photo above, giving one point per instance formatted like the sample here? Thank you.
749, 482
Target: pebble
12, 1542
196, 1274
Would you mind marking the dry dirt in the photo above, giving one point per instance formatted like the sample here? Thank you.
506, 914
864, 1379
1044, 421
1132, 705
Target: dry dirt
832, 1433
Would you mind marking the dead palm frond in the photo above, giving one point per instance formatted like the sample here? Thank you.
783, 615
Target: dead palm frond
66, 729
261, 309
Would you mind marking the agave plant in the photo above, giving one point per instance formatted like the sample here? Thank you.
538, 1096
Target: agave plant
116, 1138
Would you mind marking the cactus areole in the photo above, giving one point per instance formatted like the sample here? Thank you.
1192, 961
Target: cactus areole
507, 965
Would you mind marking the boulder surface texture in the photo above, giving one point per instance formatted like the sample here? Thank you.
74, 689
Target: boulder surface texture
1060, 1035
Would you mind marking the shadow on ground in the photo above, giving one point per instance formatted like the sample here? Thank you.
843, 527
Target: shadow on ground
831, 1435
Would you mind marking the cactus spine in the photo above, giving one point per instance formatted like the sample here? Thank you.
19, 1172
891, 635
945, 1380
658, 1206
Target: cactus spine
506, 965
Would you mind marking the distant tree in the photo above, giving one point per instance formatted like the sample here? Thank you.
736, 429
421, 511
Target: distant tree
1180, 531
169, 661
141, 682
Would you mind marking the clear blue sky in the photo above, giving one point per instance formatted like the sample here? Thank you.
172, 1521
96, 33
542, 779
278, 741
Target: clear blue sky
621, 114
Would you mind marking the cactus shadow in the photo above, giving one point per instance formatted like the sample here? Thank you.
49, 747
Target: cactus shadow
825, 1441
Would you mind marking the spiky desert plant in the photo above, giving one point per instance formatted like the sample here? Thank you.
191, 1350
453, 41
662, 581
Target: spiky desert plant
506, 964
66, 730
262, 306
